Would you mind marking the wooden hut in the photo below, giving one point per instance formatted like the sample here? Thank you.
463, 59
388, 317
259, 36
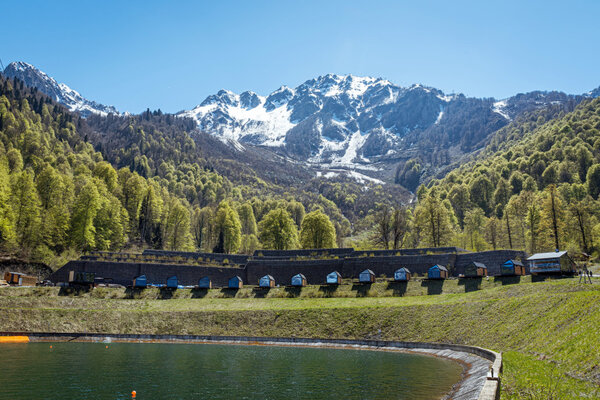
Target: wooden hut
140, 282
298, 280
334, 278
402, 275
437, 272
367, 276
475, 270
266, 281
172, 282
235, 283
205, 283
555, 262
512, 267
19, 279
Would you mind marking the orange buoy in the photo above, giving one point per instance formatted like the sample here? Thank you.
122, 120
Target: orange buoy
50, 346
133, 393
107, 347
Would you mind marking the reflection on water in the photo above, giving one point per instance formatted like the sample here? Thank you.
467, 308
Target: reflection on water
195, 371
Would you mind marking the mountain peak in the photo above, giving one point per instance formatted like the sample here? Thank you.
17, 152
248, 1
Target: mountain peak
60, 92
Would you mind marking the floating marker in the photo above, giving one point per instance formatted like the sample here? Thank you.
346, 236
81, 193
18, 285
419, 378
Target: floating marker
133, 393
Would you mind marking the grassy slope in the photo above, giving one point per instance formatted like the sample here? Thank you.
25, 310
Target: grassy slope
548, 330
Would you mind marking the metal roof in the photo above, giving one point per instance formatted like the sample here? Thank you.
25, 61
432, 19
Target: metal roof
479, 265
546, 256
441, 267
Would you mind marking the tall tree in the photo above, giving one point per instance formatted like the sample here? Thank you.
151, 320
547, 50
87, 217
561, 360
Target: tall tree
87, 204
278, 230
228, 226
26, 209
317, 231
434, 219
177, 226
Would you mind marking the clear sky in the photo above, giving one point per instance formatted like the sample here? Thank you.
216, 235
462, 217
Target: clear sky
172, 54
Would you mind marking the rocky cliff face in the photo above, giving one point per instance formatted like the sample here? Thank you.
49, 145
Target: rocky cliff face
349, 121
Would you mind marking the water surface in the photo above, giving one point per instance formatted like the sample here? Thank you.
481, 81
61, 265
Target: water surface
212, 371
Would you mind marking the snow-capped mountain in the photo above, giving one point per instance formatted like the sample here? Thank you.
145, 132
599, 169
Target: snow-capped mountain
345, 120
60, 92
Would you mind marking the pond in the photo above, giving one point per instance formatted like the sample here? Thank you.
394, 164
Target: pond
216, 371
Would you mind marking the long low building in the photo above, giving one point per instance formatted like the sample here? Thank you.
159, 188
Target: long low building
315, 265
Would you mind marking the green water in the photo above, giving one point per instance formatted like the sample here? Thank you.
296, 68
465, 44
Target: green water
210, 371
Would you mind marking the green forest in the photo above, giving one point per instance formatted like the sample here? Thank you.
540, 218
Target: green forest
70, 185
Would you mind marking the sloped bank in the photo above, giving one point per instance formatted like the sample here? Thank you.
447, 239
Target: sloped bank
481, 367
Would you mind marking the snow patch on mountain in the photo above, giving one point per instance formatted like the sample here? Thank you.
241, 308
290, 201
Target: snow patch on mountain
59, 92
500, 108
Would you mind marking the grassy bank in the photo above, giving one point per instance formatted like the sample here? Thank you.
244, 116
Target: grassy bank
548, 330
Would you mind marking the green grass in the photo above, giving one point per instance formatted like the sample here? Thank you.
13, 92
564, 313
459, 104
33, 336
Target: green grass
548, 330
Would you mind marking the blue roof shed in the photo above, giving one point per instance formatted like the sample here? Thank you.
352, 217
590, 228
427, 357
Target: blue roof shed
172, 282
235, 282
334, 278
402, 274
437, 272
266, 281
298, 280
140, 281
367, 276
205, 283
512, 267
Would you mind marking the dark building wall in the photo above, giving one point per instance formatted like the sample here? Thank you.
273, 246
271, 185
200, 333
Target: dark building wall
124, 273
493, 260
388, 265
315, 270
282, 270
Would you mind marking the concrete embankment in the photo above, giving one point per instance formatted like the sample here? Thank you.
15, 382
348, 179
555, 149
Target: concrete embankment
480, 378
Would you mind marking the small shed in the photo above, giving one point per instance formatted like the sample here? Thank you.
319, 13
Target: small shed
298, 280
334, 278
512, 267
437, 272
555, 262
140, 282
235, 283
367, 276
19, 279
475, 269
172, 282
266, 281
402, 275
205, 283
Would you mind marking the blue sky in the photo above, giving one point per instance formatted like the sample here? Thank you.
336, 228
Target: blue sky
172, 54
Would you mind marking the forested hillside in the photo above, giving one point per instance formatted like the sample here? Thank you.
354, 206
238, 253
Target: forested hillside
70, 185
535, 187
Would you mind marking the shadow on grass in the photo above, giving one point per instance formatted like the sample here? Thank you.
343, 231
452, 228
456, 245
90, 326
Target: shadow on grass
398, 287
470, 284
293, 291
229, 292
508, 280
362, 289
74, 290
133, 292
328, 290
434, 286
166, 293
260, 292
199, 293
